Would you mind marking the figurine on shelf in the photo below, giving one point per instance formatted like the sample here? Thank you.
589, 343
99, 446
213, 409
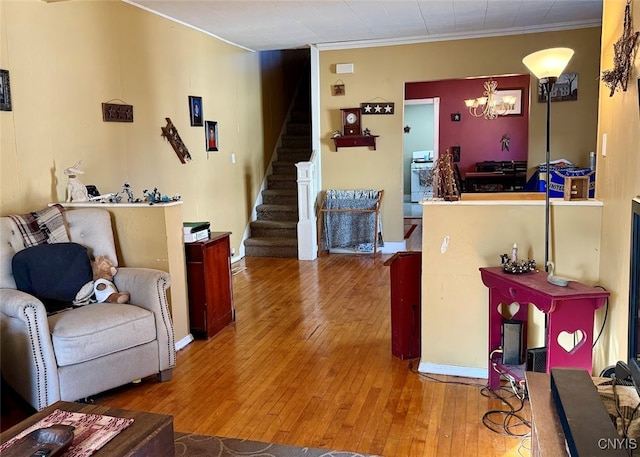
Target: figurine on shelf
336, 134
76, 191
511, 264
153, 196
126, 190
366, 132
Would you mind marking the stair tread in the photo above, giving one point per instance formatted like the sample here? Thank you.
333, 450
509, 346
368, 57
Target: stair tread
281, 176
287, 192
277, 207
275, 224
269, 241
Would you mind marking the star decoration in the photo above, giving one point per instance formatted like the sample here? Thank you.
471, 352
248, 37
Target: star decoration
388, 108
367, 108
377, 109
623, 50
407, 129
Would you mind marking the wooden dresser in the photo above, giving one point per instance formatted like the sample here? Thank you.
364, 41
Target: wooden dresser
209, 282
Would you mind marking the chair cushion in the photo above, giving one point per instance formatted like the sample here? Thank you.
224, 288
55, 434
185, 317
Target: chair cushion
54, 273
99, 329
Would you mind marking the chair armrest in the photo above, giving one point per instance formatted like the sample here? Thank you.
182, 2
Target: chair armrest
28, 360
148, 289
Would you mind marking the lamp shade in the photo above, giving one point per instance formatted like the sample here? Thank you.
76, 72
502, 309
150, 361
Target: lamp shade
548, 62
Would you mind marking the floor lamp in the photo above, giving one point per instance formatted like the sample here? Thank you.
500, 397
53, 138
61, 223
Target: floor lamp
547, 65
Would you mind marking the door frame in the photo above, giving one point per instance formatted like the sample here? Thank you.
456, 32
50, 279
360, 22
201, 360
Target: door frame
435, 101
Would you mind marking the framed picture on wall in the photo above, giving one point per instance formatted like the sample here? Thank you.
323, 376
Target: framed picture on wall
195, 111
5, 91
517, 107
211, 130
564, 89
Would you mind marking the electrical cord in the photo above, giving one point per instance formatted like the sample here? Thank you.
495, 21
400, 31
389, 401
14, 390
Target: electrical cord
511, 419
604, 321
525, 445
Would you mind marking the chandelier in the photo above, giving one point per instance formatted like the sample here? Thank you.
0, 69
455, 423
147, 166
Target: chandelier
491, 105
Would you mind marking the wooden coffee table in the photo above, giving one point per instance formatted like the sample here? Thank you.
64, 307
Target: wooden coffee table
148, 435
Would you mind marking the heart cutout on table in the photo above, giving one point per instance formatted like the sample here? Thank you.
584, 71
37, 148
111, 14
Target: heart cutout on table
510, 310
571, 341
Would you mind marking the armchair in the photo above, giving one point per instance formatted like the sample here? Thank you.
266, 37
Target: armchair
83, 351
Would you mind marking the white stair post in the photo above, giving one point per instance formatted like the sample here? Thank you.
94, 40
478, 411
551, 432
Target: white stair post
307, 224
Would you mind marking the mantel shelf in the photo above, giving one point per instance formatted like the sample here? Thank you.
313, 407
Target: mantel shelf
350, 141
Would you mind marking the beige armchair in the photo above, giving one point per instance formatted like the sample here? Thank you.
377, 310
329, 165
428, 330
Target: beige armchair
87, 350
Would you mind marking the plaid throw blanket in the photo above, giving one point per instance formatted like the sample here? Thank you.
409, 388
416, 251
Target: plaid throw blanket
42, 227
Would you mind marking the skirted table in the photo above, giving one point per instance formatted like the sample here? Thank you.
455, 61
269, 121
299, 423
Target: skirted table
569, 310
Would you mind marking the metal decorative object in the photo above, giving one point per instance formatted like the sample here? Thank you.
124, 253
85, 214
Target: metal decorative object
623, 49
171, 134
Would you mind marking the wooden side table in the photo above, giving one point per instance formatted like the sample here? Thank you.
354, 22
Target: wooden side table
569, 309
210, 285
149, 434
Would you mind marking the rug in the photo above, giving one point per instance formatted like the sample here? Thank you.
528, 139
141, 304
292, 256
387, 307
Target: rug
208, 446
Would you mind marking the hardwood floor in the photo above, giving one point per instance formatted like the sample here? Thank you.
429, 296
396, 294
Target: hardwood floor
308, 362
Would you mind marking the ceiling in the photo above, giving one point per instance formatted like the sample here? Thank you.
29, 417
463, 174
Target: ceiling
333, 24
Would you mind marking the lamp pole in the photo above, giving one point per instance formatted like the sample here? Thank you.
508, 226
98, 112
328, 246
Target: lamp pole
547, 65
548, 85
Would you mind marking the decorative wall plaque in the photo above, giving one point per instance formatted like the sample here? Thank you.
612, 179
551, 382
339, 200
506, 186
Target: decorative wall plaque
114, 112
377, 107
171, 134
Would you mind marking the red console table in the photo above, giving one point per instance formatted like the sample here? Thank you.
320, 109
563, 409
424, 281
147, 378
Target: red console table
568, 309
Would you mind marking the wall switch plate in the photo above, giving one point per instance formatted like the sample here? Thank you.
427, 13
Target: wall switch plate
604, 145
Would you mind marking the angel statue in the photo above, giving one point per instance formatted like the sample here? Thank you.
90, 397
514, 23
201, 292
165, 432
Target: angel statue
76, 191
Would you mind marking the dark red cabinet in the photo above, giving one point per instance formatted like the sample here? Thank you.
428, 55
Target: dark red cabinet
209, 284
406, 272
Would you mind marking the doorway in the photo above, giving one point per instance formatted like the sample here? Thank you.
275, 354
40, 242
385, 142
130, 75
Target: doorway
421, 133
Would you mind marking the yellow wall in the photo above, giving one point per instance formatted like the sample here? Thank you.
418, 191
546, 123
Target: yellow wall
380, 75
67, 58
464, 236
617, 182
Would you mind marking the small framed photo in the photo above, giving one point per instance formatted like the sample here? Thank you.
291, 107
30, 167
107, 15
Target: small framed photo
211, 130
195, 111
5, 91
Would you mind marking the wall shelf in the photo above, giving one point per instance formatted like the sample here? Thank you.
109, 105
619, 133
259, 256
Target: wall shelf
350, 141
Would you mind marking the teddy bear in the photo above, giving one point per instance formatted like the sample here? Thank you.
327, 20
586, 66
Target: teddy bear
105, 290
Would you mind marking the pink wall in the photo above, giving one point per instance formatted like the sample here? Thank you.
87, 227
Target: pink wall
479, 139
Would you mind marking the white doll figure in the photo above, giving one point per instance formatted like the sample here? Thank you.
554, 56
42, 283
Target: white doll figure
76, 191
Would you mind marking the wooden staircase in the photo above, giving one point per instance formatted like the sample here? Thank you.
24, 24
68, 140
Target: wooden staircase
274, 233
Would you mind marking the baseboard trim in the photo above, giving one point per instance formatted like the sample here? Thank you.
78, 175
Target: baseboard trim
184, 342
391, 247
452, 370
